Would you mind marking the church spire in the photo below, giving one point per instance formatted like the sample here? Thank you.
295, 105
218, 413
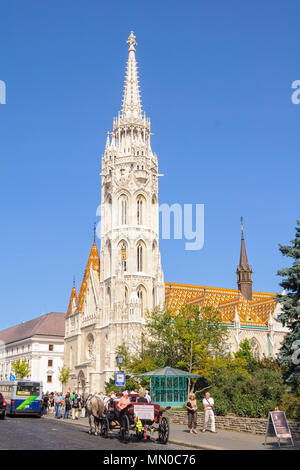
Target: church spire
131, 108
244, 271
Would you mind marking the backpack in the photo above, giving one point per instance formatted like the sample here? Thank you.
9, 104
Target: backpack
75, 403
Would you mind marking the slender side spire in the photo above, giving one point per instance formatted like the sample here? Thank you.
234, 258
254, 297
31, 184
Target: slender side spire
244, 270
73, 300
131, 107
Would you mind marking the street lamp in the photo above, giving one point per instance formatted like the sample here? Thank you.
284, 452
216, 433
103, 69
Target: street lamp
119, 360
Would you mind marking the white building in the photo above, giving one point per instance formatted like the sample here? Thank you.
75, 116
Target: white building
40, 342
129, 280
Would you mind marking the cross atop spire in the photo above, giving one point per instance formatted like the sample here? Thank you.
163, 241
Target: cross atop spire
131, 108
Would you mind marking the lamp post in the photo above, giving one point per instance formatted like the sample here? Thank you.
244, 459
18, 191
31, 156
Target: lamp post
119, 361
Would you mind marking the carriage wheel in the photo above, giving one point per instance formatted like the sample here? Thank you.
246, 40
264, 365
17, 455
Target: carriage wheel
163, 431
124, 429
104, 428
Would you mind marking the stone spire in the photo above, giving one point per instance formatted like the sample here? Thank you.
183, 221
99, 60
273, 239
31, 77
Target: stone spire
131, 108
244, 270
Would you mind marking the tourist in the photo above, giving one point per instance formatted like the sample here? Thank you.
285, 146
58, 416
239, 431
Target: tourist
75, 406
68, 405
191, 406
123, 402
58, 404
208, 403
142, 397
148, 398
45, 404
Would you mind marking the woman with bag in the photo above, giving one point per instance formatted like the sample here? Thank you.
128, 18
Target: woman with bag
191, 406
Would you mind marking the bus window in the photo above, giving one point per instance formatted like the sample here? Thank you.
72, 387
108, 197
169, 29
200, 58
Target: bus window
28, 389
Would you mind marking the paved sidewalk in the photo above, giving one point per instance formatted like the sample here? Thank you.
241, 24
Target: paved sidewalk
222, 440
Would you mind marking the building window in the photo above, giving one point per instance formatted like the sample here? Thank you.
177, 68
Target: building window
124, 257
124, 211
139, 258
139, 211
50, 363
51, 347
49, 379
255, 348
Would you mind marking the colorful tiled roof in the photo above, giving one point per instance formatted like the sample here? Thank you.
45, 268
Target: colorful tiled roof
228, 301
94, 264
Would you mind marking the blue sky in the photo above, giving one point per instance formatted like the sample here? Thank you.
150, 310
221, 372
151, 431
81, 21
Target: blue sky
216, 82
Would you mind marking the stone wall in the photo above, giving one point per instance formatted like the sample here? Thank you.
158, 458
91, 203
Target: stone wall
233, 423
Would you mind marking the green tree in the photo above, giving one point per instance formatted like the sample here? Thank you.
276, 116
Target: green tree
21, 368
64, 374
245, 351
180, 340
290, 302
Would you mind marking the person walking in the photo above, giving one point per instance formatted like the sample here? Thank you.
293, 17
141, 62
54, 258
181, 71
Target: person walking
75, 406
68, 405
58, 404
208, 403
192, 407
45, 404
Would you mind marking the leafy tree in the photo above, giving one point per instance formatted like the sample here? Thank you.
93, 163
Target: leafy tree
182, 339
64, 374
245, 351
290, 315
21, 368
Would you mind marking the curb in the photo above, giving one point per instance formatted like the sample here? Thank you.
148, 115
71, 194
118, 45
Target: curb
170, 441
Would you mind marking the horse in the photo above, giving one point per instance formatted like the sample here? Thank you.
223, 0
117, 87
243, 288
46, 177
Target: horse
95, 409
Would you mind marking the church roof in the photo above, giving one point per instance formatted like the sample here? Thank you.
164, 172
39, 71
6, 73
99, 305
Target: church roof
50, 324
228, 301
94, 265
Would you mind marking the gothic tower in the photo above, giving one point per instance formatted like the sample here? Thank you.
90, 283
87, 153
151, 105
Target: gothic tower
131, 277
244, 270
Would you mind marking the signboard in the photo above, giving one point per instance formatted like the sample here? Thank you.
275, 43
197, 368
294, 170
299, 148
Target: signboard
120, 379
144, 411
12, 378
278, 426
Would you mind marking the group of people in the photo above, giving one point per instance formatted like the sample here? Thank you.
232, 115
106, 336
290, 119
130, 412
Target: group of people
61, 405
192, 408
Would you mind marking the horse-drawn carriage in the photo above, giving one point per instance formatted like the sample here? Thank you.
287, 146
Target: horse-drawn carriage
141, 420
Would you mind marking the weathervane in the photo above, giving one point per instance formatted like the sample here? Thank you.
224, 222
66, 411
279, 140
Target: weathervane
242, 223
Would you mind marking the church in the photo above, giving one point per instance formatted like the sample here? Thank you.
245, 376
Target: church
126, 279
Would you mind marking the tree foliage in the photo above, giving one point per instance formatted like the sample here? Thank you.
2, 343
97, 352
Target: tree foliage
21, 368
290, 315
64, 374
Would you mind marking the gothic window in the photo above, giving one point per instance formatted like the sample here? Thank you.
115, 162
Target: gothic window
139, 258
142, 296
139, 211
124, 211
255, 348
124, 257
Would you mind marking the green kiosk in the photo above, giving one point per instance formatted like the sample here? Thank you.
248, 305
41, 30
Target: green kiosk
168, 386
